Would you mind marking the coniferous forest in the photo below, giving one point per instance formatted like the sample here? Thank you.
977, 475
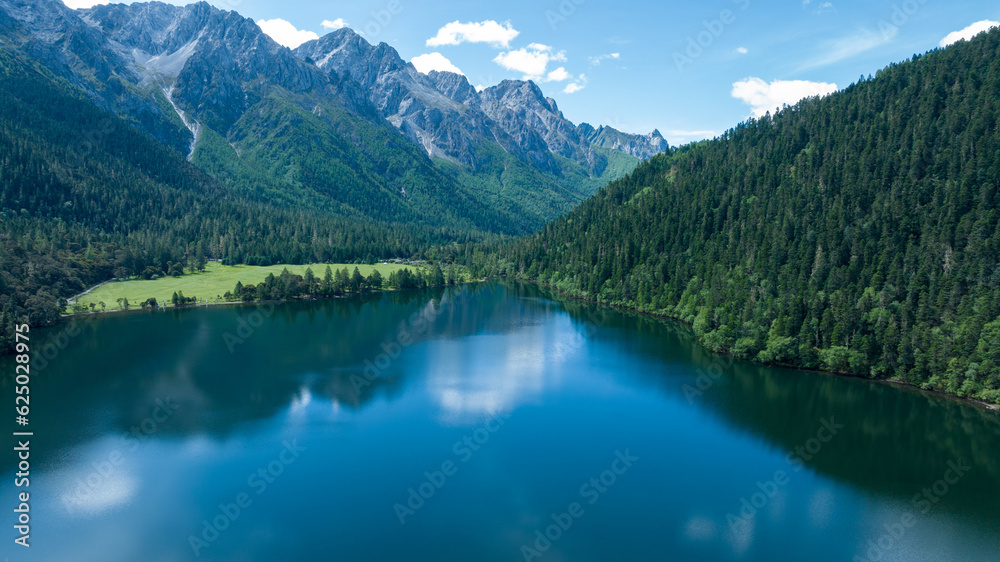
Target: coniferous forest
578, 281
858, 233
85, 196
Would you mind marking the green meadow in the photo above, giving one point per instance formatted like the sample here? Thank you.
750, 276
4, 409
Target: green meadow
210, 285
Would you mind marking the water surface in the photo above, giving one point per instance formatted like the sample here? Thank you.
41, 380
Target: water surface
466, 424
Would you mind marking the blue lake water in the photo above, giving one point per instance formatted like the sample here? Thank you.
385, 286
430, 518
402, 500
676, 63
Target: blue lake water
488, 422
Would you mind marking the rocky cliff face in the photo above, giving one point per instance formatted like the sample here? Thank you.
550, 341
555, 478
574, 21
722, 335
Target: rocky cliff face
454, 86
439, 112
55, 36
524, 112
176, 69
213, 64
445, 114
642, 147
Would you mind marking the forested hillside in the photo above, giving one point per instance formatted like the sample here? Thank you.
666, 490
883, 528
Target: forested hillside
85, 196
857, 233
353, 141
103, 174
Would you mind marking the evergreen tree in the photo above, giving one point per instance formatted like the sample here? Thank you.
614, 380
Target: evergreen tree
328, 282
856, 233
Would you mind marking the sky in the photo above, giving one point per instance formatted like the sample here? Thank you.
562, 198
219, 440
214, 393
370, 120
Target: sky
690, 69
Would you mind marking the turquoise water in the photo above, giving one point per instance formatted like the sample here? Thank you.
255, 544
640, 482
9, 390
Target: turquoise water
487, 422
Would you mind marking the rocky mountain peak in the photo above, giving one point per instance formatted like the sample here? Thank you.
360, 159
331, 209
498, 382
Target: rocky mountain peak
454, 86
640, 146
213, 64
443, 112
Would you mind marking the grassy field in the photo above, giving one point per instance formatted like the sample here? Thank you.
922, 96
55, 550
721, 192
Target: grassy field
210, 285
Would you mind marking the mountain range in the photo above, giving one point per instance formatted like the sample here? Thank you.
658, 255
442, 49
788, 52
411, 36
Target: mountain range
138, 137
337, 124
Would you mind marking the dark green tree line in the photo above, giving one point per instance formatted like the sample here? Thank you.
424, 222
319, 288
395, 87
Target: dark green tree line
857, 233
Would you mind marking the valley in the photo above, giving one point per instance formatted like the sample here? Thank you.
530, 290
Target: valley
423, 287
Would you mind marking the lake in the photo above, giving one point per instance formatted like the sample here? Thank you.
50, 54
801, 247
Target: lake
489, 422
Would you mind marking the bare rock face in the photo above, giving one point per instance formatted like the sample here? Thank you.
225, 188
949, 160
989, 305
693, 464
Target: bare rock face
211, 66
454, 86
57, 37
437, 111
524, 112
444, 113
214, 64
642, 147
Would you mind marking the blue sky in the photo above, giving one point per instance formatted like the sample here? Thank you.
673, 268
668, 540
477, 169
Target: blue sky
689, 69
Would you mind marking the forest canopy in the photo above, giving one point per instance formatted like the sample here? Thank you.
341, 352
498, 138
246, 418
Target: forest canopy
857, 233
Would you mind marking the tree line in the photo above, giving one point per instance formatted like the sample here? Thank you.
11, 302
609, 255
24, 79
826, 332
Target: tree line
858, 233
86, 197
288, 285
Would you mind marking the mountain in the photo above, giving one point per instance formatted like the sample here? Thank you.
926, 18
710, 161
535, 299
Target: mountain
525, 113
87, 196
508, 145
49, 32
137, 137
445, 125
642, 147
277, 129
445, 114
857, 233
338, 125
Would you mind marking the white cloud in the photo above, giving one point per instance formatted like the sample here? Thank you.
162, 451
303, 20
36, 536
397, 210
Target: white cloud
763, 97
532, 61
852, 45
455, 33
579, 84
968, 32
338, 23
285, 33
679, 137
682, 133
558, 75
596, 61
434, 61
741, 50
79, 4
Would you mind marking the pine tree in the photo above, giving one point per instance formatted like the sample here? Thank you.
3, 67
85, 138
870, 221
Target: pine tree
328, 281
310, 281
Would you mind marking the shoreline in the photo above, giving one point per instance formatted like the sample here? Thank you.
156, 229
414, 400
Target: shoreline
893, 382
562, 294
169, 307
